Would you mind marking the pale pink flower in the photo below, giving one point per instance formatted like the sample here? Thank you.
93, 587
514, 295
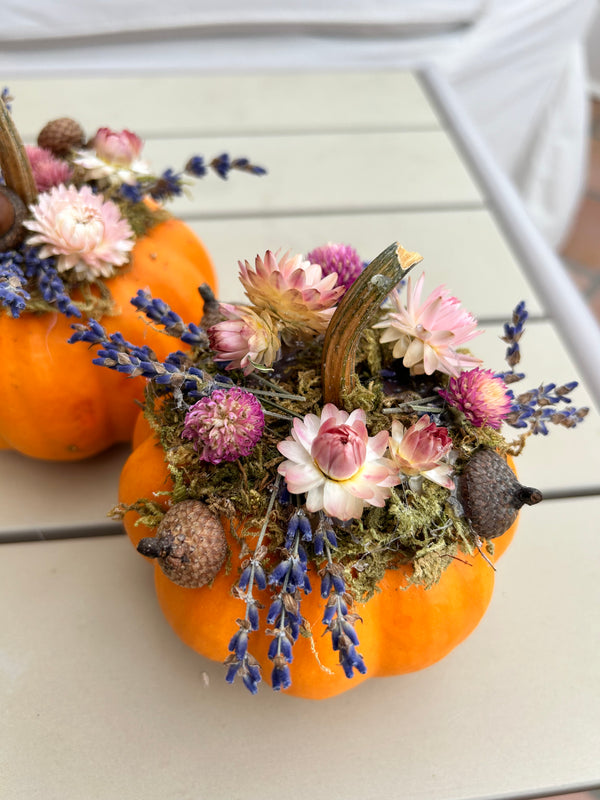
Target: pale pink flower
419, 450
86, 233
292, 291
336, 463
481, 396
225, 425
114, 155
48, 171
426, 335
246, 339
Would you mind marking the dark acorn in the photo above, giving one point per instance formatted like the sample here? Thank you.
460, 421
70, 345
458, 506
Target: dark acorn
190, 544
490, 494
12, 213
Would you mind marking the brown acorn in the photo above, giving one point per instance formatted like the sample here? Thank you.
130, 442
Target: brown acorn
490, 494
60, 136
12, 213
190, 544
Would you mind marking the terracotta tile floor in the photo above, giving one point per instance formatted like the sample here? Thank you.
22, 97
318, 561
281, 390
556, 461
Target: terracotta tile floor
581, 251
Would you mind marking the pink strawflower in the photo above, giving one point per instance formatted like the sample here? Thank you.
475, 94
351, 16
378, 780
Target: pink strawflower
114, 155
426, 336
48, 171
86, 233
419, 450
225, 425
481, 396
336, 463
339, 258
292, 291
246, 339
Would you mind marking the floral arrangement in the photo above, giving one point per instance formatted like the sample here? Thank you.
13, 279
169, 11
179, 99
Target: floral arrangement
340, 427
72, 208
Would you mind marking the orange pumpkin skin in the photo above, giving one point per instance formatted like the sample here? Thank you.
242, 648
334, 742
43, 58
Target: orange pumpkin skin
55, 403
404, 628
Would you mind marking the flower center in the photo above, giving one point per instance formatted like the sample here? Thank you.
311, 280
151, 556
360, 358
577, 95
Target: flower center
339, 452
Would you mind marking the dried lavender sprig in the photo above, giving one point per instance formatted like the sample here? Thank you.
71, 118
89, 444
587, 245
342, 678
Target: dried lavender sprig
513, 331
284, 613
222, 165
240, 662
7, 98
115, 352
337, 617
13, 291
537, 407
54, 291
161, 314
22, 271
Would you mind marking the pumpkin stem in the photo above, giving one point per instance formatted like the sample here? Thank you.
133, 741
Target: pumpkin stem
355, 312
14, 163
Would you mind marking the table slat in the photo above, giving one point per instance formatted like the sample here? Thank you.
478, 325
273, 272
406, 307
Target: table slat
193, 105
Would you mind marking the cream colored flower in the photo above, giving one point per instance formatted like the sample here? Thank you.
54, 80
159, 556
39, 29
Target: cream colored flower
84, 231
292, 291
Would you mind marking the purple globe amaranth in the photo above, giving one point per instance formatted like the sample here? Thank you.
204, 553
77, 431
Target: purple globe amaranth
225, 425
340, 258
482, 397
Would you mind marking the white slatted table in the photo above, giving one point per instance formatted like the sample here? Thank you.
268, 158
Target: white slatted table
99, 699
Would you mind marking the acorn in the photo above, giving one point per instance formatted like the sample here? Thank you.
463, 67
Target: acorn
490, 494
12, 213
190, 544
60, 136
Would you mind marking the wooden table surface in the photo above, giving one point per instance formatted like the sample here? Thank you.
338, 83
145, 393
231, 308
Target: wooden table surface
99, 698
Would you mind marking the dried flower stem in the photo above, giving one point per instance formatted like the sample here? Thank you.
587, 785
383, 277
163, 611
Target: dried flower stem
13, 159
355, 312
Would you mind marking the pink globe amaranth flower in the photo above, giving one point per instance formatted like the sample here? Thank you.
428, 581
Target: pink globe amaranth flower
225, 425
114, 155
419, 450
339, 258
292, 291
246, 339
48, 171
86, 232
482, 397
426, 336
336, 463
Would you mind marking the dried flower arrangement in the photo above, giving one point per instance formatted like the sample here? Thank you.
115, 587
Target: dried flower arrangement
333, 429
82, 225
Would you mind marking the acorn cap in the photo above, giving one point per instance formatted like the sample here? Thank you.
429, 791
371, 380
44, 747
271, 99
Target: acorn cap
60, 136
490, 494
190, 544
12, 213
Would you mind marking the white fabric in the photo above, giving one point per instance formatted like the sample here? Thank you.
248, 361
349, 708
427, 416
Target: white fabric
517, 65
42, 19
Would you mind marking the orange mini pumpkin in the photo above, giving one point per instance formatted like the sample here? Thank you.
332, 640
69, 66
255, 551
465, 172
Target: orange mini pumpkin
405, 620
54, 403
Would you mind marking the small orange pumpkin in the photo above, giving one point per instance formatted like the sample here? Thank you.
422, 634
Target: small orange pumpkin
54, 403
405, 627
